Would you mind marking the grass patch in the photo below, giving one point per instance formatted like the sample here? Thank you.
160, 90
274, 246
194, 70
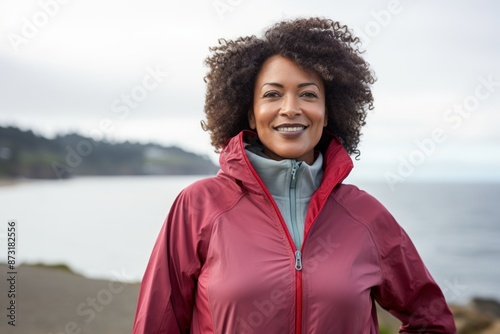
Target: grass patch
384, 330
57, 266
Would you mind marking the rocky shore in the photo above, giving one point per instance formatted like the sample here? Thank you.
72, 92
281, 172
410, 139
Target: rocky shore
54, 300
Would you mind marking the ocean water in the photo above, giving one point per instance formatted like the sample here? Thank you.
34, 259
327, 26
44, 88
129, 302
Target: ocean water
105, 227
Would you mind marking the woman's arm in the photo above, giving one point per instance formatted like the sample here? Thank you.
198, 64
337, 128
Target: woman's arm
408, 291
166, 296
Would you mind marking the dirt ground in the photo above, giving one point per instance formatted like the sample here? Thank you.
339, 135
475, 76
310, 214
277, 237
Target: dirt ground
55, 301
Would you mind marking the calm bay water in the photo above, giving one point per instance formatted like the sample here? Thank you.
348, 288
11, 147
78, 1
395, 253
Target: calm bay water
105, 227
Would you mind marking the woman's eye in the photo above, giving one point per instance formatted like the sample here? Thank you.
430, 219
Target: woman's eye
309, 94
271, 94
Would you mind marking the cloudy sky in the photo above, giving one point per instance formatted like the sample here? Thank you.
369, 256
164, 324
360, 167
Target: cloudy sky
133, 70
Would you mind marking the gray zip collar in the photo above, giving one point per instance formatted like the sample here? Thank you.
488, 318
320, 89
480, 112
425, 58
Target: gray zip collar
291, 183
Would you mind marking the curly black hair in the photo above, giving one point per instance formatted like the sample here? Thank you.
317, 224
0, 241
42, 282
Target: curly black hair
318, 44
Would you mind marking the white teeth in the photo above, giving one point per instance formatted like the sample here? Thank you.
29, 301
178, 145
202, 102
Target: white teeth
291, 129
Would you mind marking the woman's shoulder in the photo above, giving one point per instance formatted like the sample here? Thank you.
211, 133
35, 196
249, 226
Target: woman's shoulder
214, 186
364, 208
210, 194
351, 195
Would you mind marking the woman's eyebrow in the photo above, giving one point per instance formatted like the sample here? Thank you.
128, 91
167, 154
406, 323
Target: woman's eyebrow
273, 84
307, 84
281, 86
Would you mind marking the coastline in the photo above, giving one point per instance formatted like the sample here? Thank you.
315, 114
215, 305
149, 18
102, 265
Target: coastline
7, 182
53, 299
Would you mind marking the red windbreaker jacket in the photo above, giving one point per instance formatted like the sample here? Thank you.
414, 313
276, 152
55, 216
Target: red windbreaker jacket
224, 261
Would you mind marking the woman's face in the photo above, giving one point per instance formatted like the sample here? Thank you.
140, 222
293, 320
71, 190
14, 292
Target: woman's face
289, 111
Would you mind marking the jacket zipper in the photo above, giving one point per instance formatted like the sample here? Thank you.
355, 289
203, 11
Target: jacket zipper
298, 293
293, 200
298, 253
298, 260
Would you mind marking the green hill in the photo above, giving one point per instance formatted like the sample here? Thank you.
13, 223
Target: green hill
26, 154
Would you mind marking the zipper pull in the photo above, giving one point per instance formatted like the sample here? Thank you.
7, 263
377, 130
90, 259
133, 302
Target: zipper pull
295, 167
298, 260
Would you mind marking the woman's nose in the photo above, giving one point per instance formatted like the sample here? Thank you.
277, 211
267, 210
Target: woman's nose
290, 107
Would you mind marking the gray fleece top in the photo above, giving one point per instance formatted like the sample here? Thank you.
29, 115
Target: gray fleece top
291, 183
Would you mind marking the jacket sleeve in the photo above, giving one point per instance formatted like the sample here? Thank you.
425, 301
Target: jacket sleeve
166, 296
407, 289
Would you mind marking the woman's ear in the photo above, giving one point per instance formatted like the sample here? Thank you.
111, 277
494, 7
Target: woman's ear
251, 120
325, 122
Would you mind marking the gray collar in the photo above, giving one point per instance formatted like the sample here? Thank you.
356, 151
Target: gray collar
277, 175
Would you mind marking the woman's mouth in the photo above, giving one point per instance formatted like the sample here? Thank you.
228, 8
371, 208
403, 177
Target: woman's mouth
290, 130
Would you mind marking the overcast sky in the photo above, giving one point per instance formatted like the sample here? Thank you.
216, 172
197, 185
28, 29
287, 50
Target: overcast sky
134, 69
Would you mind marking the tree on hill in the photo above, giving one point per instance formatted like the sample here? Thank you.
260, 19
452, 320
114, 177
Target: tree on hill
26, 154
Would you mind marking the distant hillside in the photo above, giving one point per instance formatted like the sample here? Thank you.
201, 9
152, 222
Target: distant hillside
25, 154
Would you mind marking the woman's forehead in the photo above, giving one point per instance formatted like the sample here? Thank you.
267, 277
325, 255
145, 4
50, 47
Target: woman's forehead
279, 69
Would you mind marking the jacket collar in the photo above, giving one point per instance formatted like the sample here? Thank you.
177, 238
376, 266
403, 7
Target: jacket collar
337, 164
277, 175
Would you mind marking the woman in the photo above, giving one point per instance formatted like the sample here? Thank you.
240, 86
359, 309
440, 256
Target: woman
275, 243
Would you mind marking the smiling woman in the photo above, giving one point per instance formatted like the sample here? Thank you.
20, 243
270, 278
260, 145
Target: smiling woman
288, 110
325, 50
276, 242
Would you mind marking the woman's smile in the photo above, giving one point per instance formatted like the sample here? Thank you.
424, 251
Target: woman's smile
289, 111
